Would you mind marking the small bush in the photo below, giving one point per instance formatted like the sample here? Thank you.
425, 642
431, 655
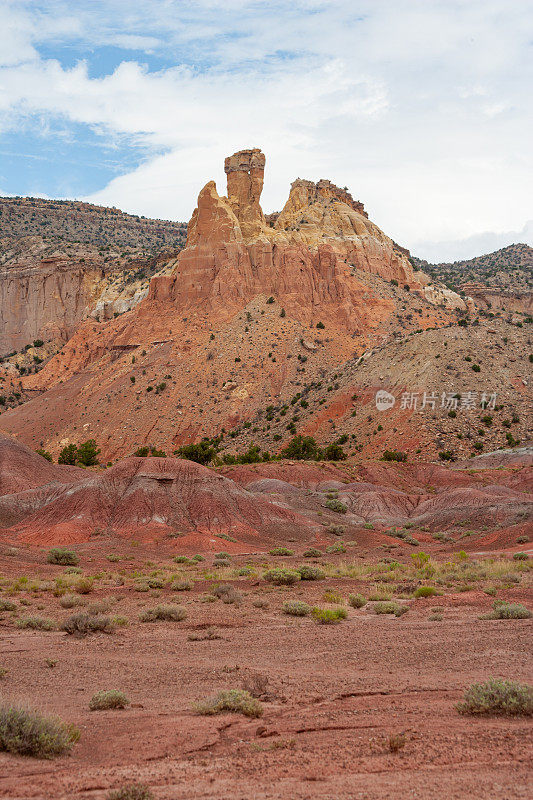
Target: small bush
131, 791
84, 624
336, 505
396, 742
296, 608
163, 613
357, 600
7, 605
181, 586
390, 607
70, 601
227, 593
60, 555
394, 455
281, 577
520, 557
103, 700
328, 616
83, 585
308, 572
336, 548
281, 551
503, 610
425, 591
36, 623
497, 697
181, 560
28, 733
236, 700
312, 553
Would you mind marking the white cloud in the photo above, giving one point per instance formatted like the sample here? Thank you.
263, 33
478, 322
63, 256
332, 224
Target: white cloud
419, 106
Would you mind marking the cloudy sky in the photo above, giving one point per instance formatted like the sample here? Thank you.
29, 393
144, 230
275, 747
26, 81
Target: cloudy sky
421, 107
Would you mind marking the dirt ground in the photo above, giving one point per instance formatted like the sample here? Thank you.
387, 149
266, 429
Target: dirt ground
332, 696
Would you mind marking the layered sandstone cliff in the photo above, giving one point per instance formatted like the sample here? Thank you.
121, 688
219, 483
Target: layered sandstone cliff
306, 256
250, 311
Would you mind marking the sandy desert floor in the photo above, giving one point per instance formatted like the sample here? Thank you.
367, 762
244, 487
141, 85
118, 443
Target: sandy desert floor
332, 695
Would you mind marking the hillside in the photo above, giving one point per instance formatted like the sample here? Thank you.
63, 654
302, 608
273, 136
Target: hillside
72, 222
510, 269
250, 310
62, 261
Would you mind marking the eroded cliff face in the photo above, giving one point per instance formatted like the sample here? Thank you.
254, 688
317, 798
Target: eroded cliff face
250, 311
308, 256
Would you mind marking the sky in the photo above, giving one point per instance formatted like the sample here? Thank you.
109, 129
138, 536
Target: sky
423, 108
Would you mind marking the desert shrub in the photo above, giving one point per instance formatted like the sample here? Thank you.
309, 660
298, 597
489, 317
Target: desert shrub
357, 600
88, 453
520, 557
281, 551
141, 586
296, 608
181, 560
394, 455
131, 791
390, 607
36, 623
83, 585
308, 572
336, 505
497, 697
328, 616
312, 553
227, 593
336, 530
260, 603
221, 562
44, 454
236, 700
302, 448
68, 455
245, 571
112, 698
503, 610
181, 586
7, 605
197, 558
280, 576
222, 554
336, 548
60, 555
425, 591
163, 613
435, 617
334, 452
28, 733
396, 742
202, 453
523, 539
82, 624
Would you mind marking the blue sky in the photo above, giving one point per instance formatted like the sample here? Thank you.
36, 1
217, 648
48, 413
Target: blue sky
421, 107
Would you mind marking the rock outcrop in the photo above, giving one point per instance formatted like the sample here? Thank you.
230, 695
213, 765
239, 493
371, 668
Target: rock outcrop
262, 305
61, 261
308, 256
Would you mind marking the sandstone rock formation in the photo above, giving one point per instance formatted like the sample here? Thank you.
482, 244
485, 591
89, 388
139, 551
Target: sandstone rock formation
261, 305
307, 257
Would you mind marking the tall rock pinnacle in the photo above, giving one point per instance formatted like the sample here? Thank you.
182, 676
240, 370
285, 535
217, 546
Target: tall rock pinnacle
245, 171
